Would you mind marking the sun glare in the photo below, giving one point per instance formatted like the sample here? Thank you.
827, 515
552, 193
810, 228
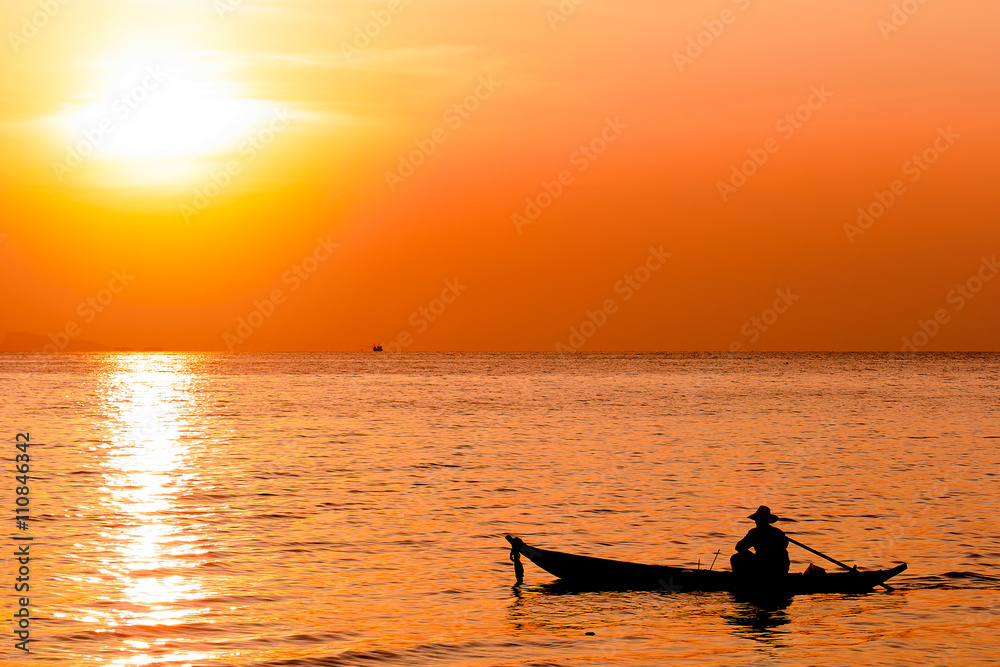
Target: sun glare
156, 118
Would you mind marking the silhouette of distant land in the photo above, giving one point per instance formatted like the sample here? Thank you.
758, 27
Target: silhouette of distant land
22, 341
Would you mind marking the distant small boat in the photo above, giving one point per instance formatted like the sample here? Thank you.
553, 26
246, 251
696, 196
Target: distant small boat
376, 348
589, 573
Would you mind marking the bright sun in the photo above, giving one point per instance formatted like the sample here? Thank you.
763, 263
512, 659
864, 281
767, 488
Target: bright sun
158, 119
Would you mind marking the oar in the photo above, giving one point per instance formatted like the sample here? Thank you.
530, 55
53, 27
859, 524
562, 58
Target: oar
834, 561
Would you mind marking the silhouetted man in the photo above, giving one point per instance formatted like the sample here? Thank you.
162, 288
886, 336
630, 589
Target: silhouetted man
769, 557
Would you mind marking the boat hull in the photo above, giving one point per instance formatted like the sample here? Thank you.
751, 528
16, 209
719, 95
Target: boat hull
589, 573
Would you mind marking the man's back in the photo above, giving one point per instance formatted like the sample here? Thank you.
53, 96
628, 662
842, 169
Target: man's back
771, 547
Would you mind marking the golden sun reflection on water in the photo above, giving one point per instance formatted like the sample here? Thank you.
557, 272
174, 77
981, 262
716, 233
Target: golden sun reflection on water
147, 469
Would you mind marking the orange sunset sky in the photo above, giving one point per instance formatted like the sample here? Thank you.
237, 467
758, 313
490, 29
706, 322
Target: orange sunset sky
310, 174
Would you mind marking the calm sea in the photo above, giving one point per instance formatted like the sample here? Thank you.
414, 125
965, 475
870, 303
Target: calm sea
349, 509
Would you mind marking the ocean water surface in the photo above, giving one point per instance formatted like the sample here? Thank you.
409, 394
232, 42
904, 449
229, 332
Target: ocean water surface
349, 509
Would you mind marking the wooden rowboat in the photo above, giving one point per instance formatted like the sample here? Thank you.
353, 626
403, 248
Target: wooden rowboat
589, 573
